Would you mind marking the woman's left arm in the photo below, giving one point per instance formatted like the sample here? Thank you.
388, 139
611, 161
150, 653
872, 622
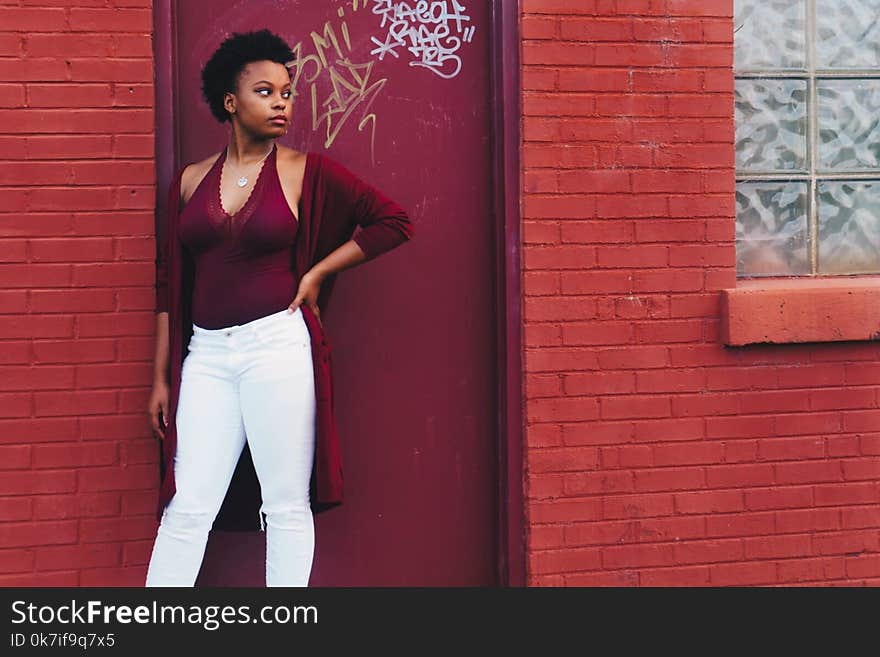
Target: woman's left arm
384, 225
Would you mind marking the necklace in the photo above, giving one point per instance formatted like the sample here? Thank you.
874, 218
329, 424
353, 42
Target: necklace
243, 180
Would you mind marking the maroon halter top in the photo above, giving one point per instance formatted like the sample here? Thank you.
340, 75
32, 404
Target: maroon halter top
243, 261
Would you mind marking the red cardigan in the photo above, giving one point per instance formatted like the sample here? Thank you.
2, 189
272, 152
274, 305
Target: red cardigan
334, 202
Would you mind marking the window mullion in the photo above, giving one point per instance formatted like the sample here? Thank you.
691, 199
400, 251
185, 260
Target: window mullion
812, 135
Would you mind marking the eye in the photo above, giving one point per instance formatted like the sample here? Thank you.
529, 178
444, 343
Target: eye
286, 94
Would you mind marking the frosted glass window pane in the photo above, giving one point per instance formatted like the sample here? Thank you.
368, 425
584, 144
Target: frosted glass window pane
849, 227
849, 135
769, 34
848, 33
771, 229
771, 125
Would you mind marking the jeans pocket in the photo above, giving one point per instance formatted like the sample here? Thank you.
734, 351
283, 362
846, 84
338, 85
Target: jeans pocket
283, 340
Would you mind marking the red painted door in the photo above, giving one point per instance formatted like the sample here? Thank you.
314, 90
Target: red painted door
402, 98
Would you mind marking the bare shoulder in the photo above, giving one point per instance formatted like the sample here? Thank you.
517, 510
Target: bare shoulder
290, 161
193, 174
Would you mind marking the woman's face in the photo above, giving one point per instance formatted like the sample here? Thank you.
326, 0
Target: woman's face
264, 92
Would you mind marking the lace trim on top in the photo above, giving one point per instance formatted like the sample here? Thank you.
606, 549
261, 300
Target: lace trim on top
232, 224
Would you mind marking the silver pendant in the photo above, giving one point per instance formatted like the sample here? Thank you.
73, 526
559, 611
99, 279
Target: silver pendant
242, 181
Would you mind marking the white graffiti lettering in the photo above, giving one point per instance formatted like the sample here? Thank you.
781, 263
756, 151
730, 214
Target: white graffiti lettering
426, 31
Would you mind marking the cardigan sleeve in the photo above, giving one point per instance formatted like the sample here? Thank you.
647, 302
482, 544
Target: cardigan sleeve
383, 223
164, 244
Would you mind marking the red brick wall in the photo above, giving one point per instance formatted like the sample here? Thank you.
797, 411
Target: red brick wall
655, 455
78, 470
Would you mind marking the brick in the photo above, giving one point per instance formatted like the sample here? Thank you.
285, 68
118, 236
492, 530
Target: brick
743, 574
545, 486
600, 533
559, 360
593, 79
111, 478
629, 55
777, 547
688, 453
739, 476
708, 551
669, 479
596, 333
16, 561
858, 517
617, 578
849, 543
603, 231
847, 493
863, 565
100, 530
689, 576
31, 482
670, 529
79, 505
668, 331
806, 570
593, 29
27, 534
597, 433
561, 54
740, 524
638, 556
599, 383
705, 404
566, 510
860, 469
778, 498
560, 257
592, 483
709, 502
559, 561
124, 576
638, 506
634, 357
671, 380
788, 449
807, 423
31, 580
695, 305
77, 556
563, 459
802, 472
665, 430
634, 407
739, 427
15, 509
570, 409
74, 455
807, 520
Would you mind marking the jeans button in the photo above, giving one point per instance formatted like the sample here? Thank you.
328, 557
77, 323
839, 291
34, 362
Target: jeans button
228, 333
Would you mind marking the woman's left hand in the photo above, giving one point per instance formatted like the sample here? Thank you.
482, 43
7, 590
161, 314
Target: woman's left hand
309, 287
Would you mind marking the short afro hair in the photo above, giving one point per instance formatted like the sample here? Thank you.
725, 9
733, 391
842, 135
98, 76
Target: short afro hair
220, 74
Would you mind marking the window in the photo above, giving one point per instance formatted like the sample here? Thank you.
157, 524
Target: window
807, 114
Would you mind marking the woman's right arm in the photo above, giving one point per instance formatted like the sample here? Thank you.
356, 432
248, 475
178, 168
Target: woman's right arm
161, 372
162, 351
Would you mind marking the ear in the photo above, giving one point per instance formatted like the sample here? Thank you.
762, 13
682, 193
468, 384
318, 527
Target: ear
229, 102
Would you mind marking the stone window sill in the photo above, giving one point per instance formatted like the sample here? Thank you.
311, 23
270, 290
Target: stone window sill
785, 310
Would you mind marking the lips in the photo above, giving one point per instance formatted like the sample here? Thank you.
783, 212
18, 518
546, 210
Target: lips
279, 118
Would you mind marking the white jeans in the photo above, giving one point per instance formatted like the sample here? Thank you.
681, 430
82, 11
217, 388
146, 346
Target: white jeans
252, 382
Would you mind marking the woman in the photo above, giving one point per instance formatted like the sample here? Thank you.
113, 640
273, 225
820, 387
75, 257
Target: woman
255, 235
